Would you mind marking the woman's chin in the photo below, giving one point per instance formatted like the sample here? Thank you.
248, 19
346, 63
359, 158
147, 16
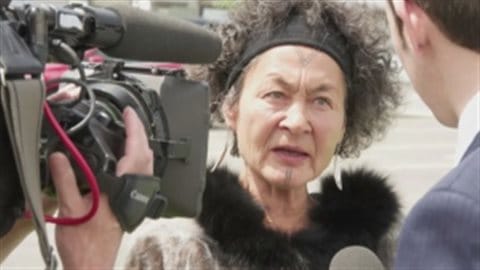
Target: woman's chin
286, 177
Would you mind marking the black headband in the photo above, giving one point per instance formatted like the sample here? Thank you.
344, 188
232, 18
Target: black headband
295, 31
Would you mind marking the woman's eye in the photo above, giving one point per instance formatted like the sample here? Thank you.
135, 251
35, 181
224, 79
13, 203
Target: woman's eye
322, 102
275, 95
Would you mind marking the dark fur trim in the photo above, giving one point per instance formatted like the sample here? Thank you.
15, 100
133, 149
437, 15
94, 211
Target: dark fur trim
365, 205
359, 215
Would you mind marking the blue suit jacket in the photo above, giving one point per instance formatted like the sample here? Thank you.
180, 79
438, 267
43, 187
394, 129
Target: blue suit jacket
442, 232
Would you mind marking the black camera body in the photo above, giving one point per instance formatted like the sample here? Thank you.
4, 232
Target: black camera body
102, 139
174, 111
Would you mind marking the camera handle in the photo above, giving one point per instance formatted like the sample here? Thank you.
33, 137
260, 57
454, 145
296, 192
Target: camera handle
132, 197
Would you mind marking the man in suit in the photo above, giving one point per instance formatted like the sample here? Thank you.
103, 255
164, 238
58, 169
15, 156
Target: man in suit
439, 45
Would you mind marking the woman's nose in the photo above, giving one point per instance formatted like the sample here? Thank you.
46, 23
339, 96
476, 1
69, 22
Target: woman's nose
296, 119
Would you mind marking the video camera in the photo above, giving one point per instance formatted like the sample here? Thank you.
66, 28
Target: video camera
174, 110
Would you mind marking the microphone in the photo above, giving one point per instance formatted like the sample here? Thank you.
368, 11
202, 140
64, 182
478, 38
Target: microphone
355, 258
122, 32
150, 37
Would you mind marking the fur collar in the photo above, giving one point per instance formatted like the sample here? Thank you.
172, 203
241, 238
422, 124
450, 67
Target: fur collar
361, 214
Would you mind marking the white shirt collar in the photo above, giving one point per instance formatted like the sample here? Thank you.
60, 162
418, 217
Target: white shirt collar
468, 126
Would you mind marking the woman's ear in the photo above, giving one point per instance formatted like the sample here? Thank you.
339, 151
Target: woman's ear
230, 114
415, 24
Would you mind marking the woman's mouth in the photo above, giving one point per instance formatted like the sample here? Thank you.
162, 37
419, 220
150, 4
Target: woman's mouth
290, 155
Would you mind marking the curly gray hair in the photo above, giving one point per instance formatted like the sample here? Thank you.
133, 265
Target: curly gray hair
372, 92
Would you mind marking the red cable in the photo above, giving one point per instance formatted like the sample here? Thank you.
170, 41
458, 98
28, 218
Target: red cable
80, 160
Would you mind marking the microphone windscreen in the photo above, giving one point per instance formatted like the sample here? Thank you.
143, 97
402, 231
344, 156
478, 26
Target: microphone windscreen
152, 37
355, 258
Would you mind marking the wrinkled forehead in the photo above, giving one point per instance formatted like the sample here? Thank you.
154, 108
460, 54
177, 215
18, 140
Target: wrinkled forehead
290, 62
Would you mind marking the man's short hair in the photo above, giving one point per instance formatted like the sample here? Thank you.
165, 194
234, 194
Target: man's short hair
459, 20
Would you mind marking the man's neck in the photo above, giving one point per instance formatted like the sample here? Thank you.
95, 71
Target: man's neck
460, 73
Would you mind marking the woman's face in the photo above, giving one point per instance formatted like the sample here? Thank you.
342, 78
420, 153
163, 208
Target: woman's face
290, 115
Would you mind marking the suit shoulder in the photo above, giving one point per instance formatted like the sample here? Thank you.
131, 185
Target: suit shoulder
463, 179
439, 232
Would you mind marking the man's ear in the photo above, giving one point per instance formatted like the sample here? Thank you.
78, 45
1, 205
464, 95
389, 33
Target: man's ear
230, 114
415, 23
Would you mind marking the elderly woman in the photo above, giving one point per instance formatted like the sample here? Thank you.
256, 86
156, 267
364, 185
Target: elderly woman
298, 83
